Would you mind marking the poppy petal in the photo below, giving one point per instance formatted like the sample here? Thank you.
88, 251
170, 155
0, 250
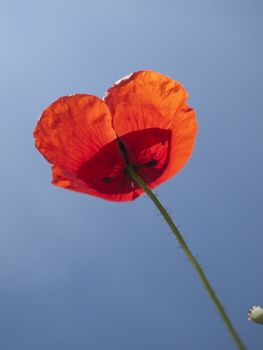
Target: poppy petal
72, 129
64, 179
114, 192
75, 135
147, 99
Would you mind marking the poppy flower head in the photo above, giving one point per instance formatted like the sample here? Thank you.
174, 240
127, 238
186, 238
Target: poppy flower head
143, 122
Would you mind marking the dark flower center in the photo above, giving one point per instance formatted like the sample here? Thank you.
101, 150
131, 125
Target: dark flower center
147, 151
150, 164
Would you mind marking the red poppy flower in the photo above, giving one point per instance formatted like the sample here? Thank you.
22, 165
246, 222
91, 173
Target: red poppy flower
143, 121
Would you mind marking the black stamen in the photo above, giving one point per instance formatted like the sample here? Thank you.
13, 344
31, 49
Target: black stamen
107, 180
151, 163
123, 150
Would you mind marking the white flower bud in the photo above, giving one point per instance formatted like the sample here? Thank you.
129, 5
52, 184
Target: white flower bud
255, 314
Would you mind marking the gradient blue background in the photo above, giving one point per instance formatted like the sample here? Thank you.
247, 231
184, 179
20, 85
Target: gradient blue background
77, 272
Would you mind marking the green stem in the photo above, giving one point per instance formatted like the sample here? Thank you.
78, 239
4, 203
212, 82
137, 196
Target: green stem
190, 256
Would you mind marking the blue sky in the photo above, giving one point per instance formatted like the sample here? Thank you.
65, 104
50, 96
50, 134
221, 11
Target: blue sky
77, 272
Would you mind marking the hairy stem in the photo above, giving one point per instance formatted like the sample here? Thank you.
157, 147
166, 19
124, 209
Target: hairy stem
190, 256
